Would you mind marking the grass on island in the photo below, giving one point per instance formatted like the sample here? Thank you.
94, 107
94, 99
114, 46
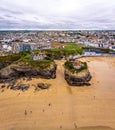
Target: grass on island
24, 56
37, 63
9, 59
69, 65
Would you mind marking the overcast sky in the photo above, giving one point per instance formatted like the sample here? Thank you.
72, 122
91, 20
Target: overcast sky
57, 14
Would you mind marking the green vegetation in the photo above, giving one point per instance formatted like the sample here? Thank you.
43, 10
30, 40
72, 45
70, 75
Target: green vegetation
72, 48
106, 50
36, 51
69, 49
23, 53
10, 58
87, 47
49, 58
69, 65
24, 56
40, 64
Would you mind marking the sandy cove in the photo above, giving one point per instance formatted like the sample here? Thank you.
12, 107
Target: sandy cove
61, 106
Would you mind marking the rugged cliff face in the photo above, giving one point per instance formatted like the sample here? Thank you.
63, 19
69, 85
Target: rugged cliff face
78, 79
3, 64
15, 71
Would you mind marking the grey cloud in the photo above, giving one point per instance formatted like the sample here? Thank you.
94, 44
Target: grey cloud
1, 18
61, 14
9, 16
6, 10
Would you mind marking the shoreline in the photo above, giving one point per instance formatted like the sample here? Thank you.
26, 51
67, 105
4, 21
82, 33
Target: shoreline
62, 106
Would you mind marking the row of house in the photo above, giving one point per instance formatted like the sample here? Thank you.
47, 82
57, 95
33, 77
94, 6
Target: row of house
39, 56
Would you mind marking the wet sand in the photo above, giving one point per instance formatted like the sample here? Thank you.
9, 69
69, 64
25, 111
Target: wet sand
61, 106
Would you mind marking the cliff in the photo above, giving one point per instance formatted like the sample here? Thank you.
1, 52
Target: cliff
77, 73
15, 71
78, 79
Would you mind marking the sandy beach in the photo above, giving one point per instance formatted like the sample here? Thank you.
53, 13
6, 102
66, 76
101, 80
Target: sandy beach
62, 106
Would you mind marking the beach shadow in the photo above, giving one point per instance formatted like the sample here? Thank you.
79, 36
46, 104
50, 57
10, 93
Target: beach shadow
69, 90
95, 128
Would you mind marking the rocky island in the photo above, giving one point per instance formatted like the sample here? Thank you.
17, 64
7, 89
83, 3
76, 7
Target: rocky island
22, 65
77, 73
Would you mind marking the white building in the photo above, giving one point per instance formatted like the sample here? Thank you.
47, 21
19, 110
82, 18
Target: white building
112, 47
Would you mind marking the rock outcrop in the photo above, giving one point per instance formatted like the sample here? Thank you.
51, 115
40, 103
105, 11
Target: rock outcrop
2, 65
43, 86
20, 86
15, 71
78, 79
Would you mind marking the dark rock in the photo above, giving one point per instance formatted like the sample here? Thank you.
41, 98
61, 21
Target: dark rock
53, 75
14, 72
3, 64
20, 86
43, 86
7, 73
24, 78
29, 78
77, 81
12, 83
3, 86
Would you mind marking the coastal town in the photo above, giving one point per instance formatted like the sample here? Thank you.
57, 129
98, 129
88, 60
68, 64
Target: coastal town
57, 64
16, 41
